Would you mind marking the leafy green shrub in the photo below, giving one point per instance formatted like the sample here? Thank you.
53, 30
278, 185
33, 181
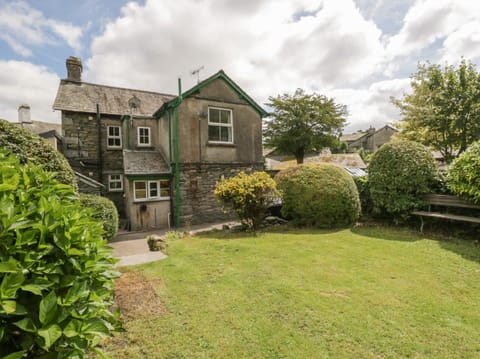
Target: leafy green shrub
321, 195
29, 147
399, 174
363, 188
56, 274
463, 177
104, 211
249, 195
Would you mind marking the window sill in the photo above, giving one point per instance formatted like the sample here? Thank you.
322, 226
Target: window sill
114, 148
221, 144
161, 199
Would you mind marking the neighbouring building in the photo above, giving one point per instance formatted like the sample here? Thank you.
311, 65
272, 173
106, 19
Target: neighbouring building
369, 140
49, 131
159, 155
351, 162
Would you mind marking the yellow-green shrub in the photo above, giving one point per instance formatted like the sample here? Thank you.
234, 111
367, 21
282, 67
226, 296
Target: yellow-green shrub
249, 195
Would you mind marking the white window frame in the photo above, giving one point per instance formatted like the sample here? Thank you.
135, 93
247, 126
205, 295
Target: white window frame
148, 187
118, 180
114, 137
139, 128
219, 124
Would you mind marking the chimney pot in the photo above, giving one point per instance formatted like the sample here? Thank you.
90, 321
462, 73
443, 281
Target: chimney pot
74, 69
24, 114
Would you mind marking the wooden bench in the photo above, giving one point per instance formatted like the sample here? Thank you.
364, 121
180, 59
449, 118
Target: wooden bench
446, 201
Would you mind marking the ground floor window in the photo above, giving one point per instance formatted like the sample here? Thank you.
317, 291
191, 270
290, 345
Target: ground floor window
151, 189
115, 183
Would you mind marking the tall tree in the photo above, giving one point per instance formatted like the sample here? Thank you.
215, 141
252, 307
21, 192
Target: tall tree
303, 123
443, 111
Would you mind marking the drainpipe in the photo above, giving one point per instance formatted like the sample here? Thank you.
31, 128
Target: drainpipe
127, 132
99, 147
177, 166
169, 139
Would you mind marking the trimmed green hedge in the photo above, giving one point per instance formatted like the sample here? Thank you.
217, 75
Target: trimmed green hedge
104, 210
322, 195
463, 177
56, 274
398, 175
29, 147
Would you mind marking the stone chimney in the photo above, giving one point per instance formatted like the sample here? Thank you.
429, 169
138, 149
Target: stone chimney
24, 114
74, 69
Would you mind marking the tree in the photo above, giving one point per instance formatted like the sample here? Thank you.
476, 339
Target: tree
303, 123
443, 111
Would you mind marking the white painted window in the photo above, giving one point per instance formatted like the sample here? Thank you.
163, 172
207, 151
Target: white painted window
114, 137
220, 125
143, 136
147, 190
115, 183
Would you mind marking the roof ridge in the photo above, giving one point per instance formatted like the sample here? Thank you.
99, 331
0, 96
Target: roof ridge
118, 87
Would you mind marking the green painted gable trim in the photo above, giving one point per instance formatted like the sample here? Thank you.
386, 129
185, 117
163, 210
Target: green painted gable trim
219, 75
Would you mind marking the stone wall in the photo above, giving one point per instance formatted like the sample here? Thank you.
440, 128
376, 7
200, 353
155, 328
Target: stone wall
197, 183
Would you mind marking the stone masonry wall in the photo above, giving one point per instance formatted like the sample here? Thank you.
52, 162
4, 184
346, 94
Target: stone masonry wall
197, 183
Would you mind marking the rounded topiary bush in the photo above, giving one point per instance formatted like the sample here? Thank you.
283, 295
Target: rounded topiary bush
322, 195
463, 177
398, 175
56, 272
104, 210
29, 147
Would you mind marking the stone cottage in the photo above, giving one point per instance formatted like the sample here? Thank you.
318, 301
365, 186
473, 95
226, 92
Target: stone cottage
370, 140
159, 155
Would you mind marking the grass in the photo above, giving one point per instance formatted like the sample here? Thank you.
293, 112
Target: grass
362, 293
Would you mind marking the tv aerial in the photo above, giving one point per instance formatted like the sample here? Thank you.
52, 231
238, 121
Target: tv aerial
197, 72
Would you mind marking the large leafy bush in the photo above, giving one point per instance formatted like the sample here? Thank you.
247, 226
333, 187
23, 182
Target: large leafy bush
321, 195
249, 195
56, 274
399, 173
463, 177
363, 188
104, 211
29, 147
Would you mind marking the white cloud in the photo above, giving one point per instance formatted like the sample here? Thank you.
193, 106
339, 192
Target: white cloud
268, 47
22, 26
323, 46
16, 46
451, 22
371, 106
23, 82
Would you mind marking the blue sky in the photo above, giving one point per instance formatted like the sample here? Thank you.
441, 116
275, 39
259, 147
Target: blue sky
360, 52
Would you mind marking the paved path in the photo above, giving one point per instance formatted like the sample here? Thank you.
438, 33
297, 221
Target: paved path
132, 248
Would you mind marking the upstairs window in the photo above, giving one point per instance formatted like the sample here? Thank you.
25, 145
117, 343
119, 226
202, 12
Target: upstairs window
114, 137
220, 125
143, 136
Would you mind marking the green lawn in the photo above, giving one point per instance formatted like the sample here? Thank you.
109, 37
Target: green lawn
361, 293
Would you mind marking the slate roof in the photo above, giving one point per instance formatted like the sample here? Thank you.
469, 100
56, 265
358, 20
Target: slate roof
84, 96
345, 160
144, 163
40, 127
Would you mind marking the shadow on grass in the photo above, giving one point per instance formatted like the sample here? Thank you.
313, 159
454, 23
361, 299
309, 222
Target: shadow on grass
283, 229
464, 244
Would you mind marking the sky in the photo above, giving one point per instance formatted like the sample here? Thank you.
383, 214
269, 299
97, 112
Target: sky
359, 52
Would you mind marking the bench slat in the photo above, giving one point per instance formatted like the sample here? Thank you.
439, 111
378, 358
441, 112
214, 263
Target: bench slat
452, 217
448, 201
